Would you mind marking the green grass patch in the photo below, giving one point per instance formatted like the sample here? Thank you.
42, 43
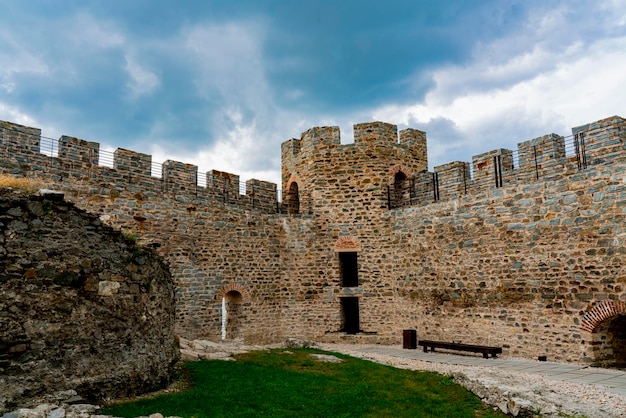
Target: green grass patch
292, 383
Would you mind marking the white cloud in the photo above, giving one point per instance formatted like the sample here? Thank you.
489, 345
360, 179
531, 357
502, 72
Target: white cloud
142, 82
505, 96
12, 114
229, 59
229, 155
615, 9
89, 31
53, 48
17, 57
228, 69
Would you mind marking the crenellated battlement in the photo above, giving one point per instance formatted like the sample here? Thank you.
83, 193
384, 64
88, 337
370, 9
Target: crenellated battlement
365, 135
375, 133
546, 158
549, 157
318, 158
25, 152
321, 137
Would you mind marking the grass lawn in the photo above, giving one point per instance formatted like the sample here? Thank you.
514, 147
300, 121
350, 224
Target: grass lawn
292, 383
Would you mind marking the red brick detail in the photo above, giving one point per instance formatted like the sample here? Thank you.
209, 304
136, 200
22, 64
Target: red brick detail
600, 312
234, 287
347, 244
293, 178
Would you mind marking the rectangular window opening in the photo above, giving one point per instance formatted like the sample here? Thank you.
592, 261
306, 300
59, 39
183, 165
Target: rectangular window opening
349, 269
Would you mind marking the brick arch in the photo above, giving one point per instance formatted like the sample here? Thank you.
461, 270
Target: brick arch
294, 178
347, 244
245, 296
600, 312
391, 174
292, 196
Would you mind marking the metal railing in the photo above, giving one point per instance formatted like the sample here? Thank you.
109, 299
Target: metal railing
401, 194
408, 192
106, 158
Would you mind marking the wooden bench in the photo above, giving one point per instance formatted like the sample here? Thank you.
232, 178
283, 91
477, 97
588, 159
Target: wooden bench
485, 350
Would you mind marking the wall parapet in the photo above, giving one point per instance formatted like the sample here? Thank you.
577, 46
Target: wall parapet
23, 151
547, 158
321, 138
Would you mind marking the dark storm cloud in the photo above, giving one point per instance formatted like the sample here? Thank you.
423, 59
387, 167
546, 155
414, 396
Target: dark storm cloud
222, 84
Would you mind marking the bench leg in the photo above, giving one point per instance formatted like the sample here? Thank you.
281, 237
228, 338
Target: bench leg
485, 355
425, 349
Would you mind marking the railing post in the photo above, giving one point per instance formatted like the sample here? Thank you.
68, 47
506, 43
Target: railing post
536, 163
435, 179
579, 145
497, 164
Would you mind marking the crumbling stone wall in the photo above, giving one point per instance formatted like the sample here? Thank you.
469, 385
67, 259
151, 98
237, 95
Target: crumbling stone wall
81, 306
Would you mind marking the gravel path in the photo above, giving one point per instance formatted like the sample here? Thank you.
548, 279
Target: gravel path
516, 393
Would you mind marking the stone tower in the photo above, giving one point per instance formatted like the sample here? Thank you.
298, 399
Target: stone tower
345, 192
319, 175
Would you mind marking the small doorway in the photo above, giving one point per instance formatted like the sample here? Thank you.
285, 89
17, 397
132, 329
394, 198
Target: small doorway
233, 316
350, 315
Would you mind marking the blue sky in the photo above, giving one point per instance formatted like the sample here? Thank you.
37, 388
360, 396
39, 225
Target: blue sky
222, 83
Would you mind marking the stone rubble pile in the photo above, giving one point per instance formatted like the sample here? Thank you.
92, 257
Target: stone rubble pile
208, 350
61, 404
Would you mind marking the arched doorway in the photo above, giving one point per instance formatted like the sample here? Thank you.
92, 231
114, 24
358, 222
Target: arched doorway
233, 315
293, 199
606, 323
609, 343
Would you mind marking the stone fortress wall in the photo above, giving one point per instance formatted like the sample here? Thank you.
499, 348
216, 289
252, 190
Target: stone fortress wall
213, 237
521, 249
535, 265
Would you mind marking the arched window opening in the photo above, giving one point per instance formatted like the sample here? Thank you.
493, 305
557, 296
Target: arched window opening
401, 190
293, 199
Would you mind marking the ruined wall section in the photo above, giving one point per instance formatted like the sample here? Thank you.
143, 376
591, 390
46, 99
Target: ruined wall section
518, 267
343, 190
79, 303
